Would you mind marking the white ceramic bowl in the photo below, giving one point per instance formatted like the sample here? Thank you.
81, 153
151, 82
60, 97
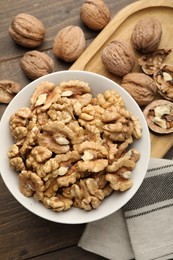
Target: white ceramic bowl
112, 203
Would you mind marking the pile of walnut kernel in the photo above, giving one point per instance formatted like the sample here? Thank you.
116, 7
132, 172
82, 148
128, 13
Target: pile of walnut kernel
72, 149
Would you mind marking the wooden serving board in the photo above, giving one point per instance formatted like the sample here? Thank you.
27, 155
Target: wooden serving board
120, 27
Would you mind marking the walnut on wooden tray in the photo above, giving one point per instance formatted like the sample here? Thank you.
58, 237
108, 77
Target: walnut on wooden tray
146, 34
152, 62
159, 116
72, 149
164, 81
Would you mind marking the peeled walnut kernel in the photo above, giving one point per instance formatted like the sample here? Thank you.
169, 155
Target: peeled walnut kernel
140, 86
118, 57
69, 43
147, 34
159, 116
95, 14
26, 30
36, 64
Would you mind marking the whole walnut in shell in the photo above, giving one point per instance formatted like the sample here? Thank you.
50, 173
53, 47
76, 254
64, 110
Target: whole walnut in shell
36, 64
26, 30
95, 14
147, 34
118, 57
69, 43
140, 86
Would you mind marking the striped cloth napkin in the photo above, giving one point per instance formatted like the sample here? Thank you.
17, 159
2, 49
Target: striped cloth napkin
143, 228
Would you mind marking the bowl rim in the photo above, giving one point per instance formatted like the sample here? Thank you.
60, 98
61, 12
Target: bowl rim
75, 73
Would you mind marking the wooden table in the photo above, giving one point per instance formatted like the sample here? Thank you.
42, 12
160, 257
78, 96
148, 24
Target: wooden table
22, 234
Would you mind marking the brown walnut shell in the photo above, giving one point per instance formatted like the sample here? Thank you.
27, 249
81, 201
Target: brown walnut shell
26, 30
164, 81
152, 62
95, 14
36, 64
149, 115
69, 43
8, 89
118, 57
140, 86
147, 34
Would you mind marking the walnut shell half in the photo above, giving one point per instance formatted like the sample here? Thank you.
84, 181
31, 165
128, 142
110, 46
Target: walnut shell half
140, 86
159, 116
147, 34
164, 81
118, 57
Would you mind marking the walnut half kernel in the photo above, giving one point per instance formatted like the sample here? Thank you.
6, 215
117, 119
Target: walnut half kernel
159, 116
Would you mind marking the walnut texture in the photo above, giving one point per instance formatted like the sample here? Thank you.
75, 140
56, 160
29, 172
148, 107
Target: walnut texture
36, 64
118, 57
8, 89
147, 34
140, 86
95, 14
69, 43
26, 30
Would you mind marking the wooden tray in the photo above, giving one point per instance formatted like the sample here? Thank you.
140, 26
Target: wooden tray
120, 27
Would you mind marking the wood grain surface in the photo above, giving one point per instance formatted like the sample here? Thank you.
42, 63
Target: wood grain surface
120, 28
22, 234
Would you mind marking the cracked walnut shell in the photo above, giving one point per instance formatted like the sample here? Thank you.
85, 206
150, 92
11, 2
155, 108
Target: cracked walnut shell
8, 89
26, 30
69, 43
95, 14
147, 34
118, 57
36, 64
152, 62
140, 86
164, 81
159, 116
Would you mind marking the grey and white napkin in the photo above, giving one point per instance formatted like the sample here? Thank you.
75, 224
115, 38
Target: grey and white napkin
143, 228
